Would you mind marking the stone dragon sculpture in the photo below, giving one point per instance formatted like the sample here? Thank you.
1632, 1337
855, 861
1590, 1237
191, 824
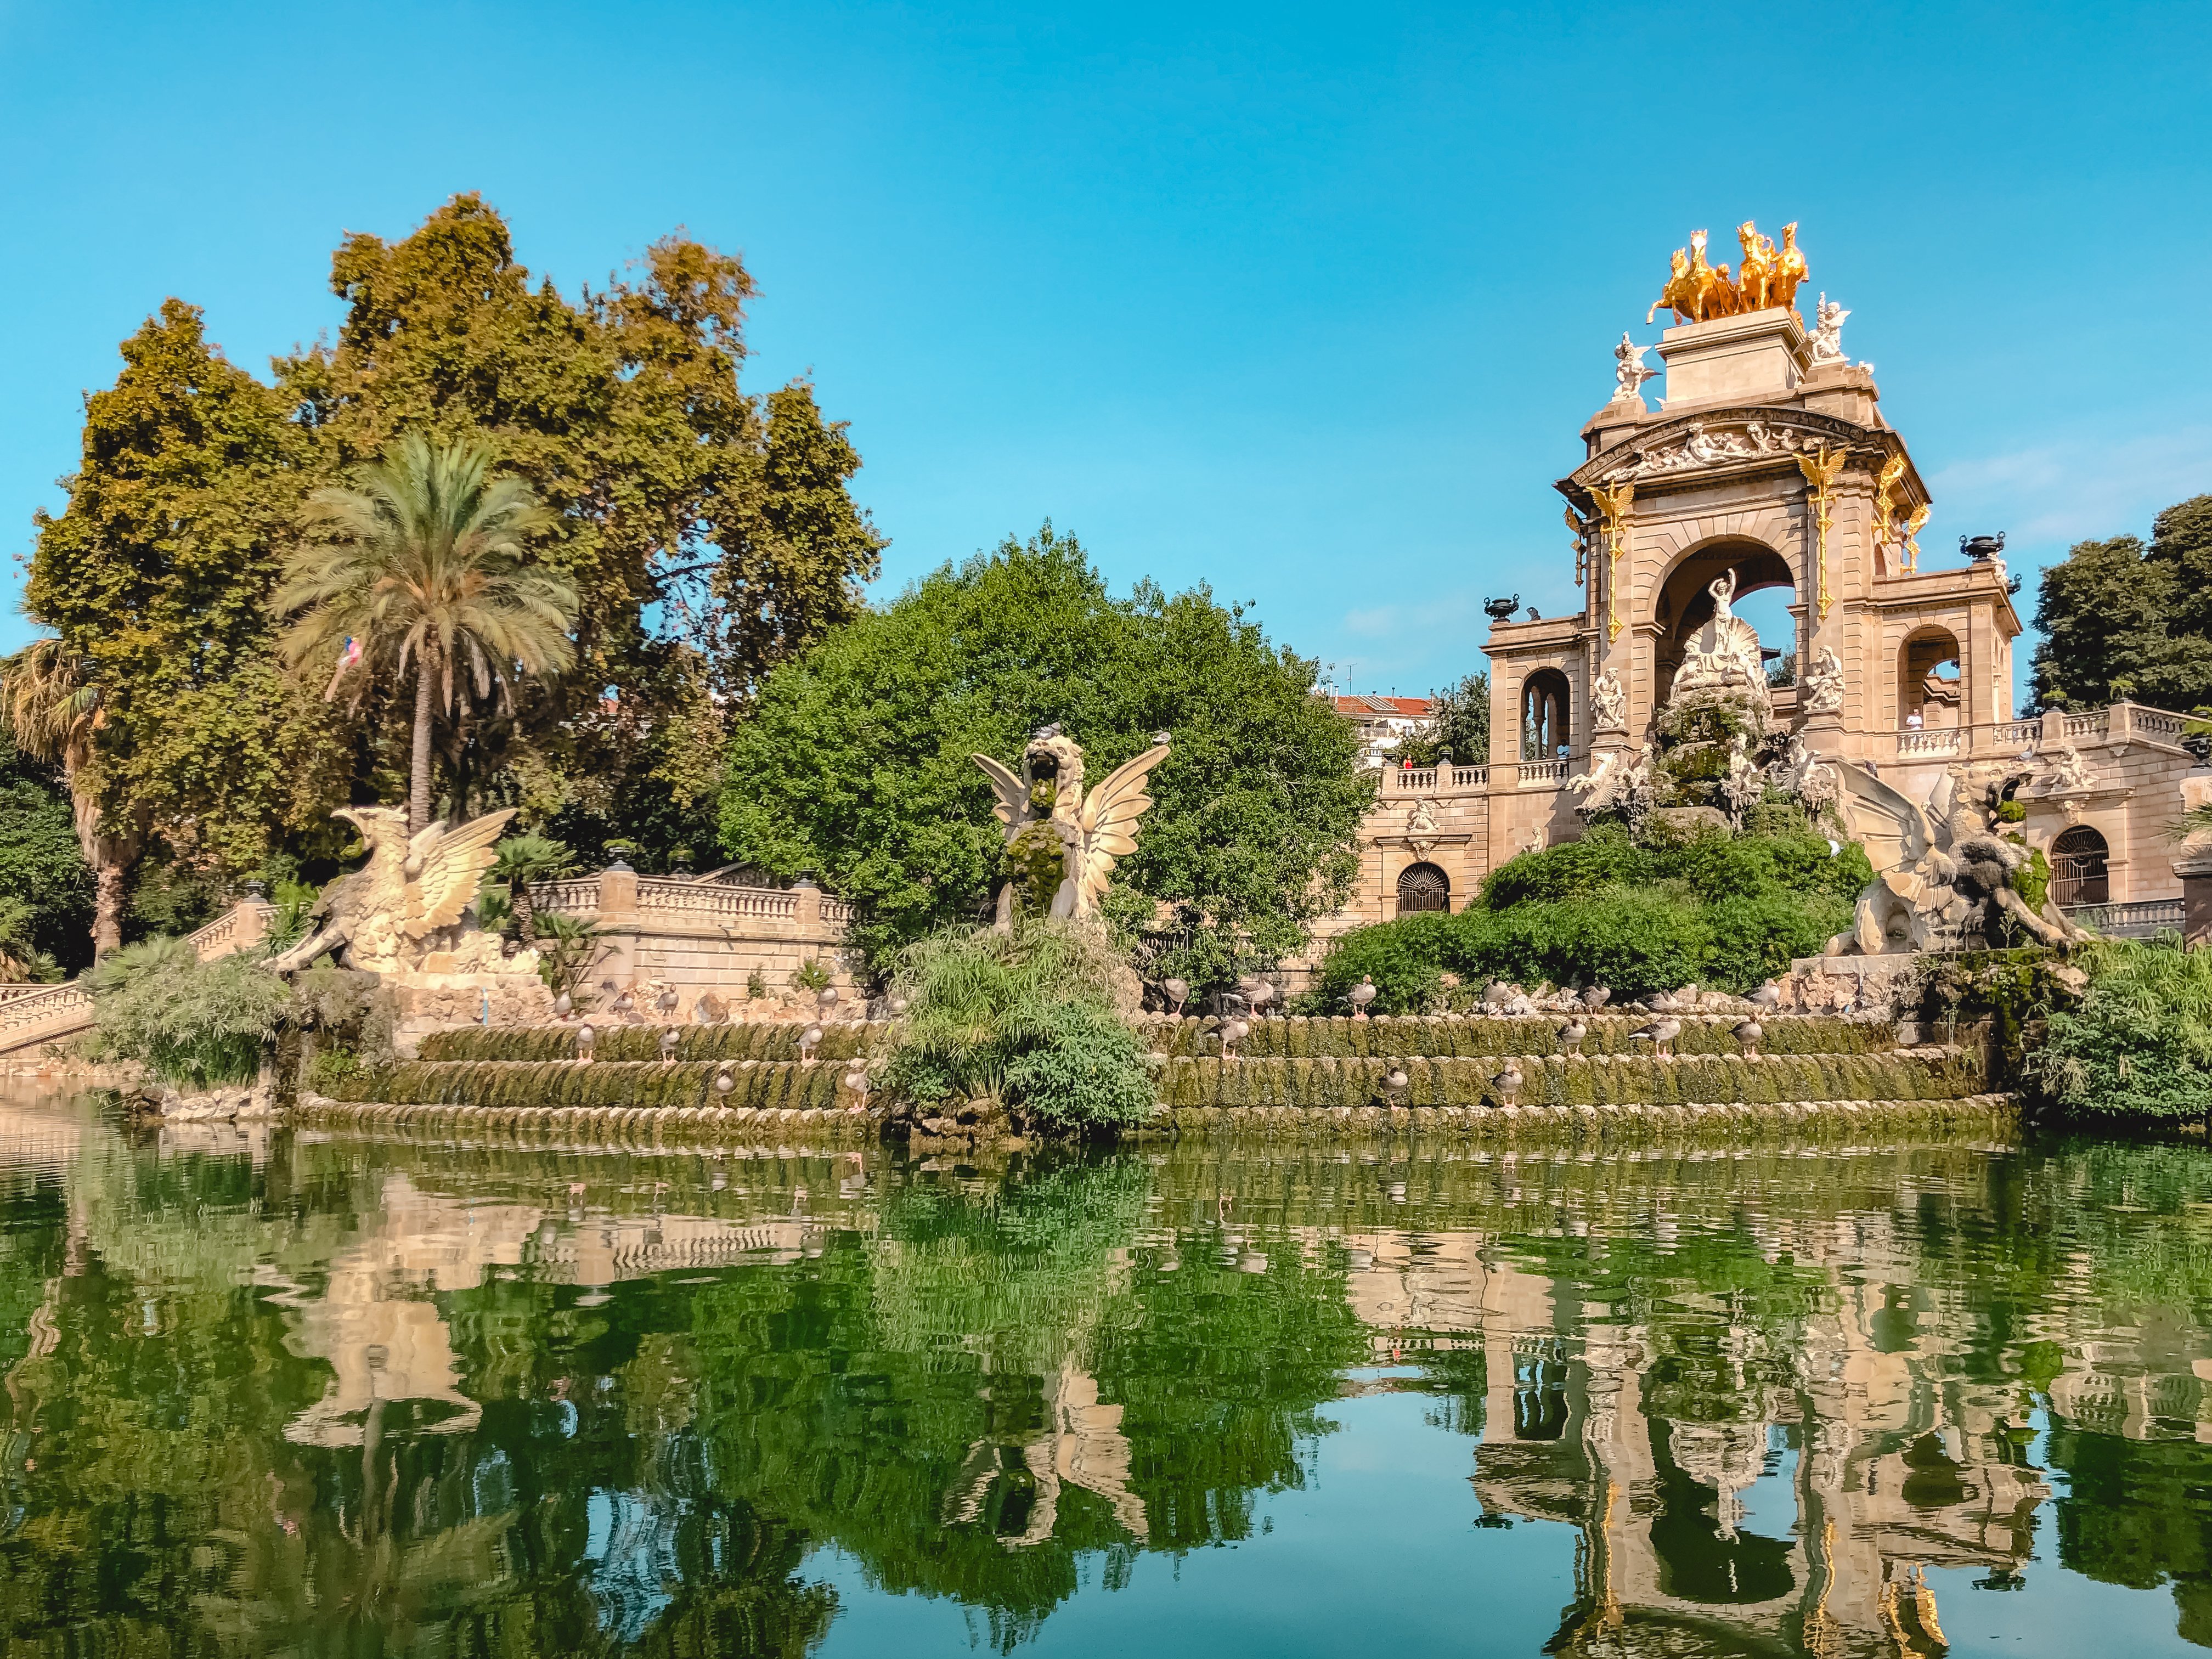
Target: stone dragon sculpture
386, 915
1942, 877
1061, 843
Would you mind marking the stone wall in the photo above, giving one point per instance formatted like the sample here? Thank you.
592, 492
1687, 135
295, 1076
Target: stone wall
701, 936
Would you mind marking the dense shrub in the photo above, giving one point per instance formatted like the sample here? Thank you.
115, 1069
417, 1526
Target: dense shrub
1026, 1018
1638, 915
2139, 1046
193, 1023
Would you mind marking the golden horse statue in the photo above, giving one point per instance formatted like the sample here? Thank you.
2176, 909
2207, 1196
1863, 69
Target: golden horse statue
1697, 290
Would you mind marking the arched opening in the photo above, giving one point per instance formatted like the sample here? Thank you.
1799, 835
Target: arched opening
1765, 590
1423, 887
1545, 732
2079, 868
1928, 694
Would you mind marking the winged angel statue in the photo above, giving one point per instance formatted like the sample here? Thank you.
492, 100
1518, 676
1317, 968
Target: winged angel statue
387, 914
1062, 844
1942, 877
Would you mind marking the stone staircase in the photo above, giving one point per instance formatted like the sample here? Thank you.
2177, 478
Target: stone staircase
33, 1015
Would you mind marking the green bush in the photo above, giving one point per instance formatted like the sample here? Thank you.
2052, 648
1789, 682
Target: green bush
2139, 1047
193, 1023
1026, 1018
1715, 909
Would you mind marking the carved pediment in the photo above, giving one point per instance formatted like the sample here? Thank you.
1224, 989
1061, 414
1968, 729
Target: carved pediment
1714, 439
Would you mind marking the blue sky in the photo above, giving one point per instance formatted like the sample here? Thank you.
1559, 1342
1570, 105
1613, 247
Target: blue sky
1307, 303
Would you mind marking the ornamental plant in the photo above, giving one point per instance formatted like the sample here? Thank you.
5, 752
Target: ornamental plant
2139, 1047
1025, 1019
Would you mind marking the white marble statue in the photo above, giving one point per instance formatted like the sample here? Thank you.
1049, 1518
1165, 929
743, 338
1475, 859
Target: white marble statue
1828, 333
1824, 684
2069, 773
1724, 656
1744, 783
1801, 774
1608, 702
1629, 374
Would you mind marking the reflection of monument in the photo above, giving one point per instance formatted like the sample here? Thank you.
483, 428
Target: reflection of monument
1769, 467
1790, 1499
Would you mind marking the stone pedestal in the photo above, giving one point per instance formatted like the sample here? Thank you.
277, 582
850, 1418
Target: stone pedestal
1743, 359
424, 1003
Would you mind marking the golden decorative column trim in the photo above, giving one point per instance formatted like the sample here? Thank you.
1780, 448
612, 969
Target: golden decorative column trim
1821, 469
1614, 504
1912, 539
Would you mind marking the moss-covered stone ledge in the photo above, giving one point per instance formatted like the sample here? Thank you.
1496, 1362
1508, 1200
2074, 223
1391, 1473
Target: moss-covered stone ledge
705, 1125
1816, 1120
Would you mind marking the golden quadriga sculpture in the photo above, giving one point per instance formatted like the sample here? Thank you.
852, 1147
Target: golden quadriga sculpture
1062, 844
409, 899
1697, 290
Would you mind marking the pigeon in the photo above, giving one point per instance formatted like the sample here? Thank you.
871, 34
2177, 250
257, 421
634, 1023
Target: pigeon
1395, 1078
856, 1080
668, 1044
1748, 1036
1517, 1006
1177, 992
1507, 1083
1361, 994
1596, 997
1659, 1033
561, 1005
665, 1002
724, 1081
1494, 995
586, 1036
1570, 1037
1659, 1002
826, 999
1259, 995
625, 1005
1232, 1033
1768, 995
807, 1039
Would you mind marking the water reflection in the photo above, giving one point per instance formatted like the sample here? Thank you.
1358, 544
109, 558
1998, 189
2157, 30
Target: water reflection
294, 1393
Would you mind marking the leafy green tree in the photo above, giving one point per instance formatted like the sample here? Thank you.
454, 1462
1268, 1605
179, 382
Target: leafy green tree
2127, 619
155, 579
41, 864
855, 762
1459, 727
708, 532
428, 562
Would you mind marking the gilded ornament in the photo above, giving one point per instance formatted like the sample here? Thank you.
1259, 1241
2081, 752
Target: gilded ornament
1912, 528
1614, 504
1821, 469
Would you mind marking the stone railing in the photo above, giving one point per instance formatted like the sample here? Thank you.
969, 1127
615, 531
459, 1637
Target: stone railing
2143, 919
701, 936
2124, 722
1550, 771
34, 1014
1435, 780
710, 899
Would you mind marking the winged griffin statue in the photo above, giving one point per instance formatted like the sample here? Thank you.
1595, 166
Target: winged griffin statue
1061, 843
387, 914
1942, 877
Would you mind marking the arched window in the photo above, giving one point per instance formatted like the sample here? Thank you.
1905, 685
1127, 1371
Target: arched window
1423, 887
2079, 873
1928, 682
1544, 728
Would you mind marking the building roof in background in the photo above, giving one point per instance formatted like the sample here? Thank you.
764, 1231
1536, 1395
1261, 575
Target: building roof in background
1405, 708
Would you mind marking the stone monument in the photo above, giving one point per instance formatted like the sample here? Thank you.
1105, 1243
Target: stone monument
1061, 843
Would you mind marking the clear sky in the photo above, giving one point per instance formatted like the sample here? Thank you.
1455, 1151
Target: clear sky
1307, 303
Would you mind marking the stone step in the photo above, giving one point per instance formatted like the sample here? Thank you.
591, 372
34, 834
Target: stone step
1325, 1084
1409, 1037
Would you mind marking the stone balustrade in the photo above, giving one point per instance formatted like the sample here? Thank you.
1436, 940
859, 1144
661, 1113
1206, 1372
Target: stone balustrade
32, 1015
2122, 722
701, 936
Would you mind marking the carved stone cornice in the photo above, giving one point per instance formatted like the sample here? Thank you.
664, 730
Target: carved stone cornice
1726, 440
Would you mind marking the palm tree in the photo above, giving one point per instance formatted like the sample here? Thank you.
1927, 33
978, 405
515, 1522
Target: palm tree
55, 708
425, 564
521, 861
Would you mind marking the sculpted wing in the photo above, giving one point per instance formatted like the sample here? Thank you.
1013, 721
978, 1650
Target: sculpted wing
1109, 823
452, 865
1893, 830
1012, 809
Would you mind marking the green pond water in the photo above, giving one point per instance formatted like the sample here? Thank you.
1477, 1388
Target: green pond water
280, 1392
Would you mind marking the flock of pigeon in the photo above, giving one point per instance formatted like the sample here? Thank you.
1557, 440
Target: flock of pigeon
1504, 1001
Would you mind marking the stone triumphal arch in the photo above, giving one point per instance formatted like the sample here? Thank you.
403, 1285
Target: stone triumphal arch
1768, 460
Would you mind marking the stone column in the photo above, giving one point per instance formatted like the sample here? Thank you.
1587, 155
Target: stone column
809, 913
618, 919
